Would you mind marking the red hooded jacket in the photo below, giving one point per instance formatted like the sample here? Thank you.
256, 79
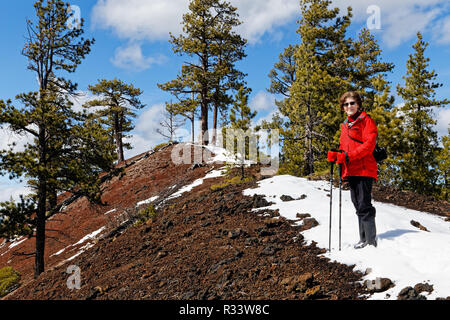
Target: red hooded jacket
358, 139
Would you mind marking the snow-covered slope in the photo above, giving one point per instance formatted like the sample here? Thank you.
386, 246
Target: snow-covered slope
405, 254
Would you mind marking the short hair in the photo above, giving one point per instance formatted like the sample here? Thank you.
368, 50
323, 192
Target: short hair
350, 94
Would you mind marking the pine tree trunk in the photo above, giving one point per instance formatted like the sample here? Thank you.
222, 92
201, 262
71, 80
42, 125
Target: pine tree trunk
40, 230
309, 137
204, 99
310, 153
171, 126
192, 129
41, 209
118, 137
52, 198
204, 123
214, 131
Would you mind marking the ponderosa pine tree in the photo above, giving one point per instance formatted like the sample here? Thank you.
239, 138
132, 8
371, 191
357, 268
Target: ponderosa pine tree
77, 151
320, 76
389, 128
226, 76
367, 67
209, 37
116, 105
419, 163
56, 159
282, 76
367, 76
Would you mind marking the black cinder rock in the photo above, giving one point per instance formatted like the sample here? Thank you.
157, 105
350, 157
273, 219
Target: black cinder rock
286, 198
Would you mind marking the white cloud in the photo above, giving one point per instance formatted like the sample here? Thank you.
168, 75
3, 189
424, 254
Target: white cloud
260, 17
79, 100
443, 121
139, 20
400, 20
145, 136
267, 118
7, 138
262, 101
154, 19
12, 189
404, 25
132, 58
441, 31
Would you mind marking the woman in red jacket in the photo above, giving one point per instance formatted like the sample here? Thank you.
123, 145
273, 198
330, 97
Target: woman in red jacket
357, 142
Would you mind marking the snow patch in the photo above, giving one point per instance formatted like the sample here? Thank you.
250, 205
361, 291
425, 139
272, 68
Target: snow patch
82, 249
146, 201
223, 155
212, 174
405, 254
16, 243
110, 211
60, 251
91, 235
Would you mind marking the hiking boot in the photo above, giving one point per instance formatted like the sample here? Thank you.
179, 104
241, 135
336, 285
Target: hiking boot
360, 245
370, 231
373, 243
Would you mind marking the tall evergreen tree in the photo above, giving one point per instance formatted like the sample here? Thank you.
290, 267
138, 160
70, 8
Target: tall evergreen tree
56, 159
389, 128
118, 102
282, 76
227, 77
367, 67
209, 37
419, 166
310, 109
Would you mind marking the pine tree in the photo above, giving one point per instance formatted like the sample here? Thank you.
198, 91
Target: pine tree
170, 124
210, 38
390, 132
60, 155
69, 158
187, 107
366, 67
240, 121
320, 76
444, 167
282, 76
118, 102
240, 114
418, 166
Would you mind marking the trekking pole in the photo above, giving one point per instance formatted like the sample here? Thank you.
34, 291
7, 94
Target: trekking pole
331, 204
340, 202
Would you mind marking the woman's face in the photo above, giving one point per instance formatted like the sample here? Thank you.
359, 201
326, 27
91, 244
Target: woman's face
350, 106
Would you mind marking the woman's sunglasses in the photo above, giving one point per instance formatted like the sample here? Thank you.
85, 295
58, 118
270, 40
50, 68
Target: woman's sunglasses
349, 103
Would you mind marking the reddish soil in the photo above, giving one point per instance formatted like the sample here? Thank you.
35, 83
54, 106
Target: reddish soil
206, 244
412, 200
150, 176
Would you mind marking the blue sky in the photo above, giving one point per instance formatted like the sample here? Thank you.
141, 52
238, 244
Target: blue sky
132, 45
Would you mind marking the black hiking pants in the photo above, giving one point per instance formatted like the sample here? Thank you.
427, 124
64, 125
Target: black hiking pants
361, 195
